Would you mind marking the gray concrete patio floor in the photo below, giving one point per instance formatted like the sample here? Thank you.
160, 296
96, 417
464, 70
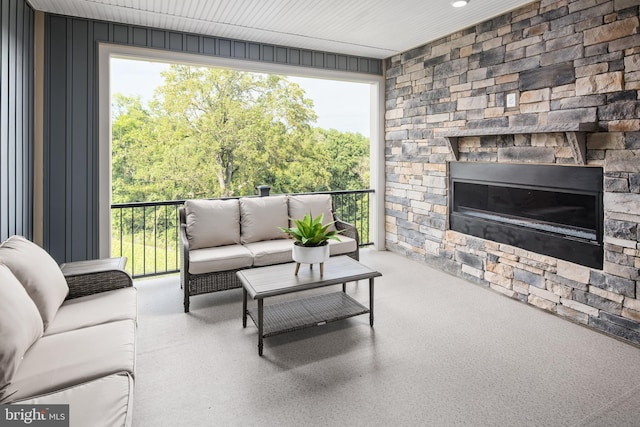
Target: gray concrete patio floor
443, 352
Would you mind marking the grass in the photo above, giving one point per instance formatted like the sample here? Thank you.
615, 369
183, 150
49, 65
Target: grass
146, 258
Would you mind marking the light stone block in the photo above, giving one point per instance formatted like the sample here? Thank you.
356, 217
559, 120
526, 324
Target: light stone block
572, 314
600, 83
575, 272
606, 294
497, 279
605, 141
578, 306
542, 293
632, 303
541, 303
631, 314
472, 103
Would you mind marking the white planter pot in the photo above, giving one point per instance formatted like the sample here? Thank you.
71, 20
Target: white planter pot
310, 255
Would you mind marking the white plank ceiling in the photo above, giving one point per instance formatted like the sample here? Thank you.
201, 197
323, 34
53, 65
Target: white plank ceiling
372, 28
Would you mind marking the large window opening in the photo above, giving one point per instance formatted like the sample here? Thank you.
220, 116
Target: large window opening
323, 133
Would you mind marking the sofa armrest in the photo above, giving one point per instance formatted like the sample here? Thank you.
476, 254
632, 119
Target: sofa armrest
94, 276
184, 249
348, 230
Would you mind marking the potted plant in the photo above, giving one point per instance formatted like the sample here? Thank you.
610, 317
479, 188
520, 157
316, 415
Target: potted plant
310, 241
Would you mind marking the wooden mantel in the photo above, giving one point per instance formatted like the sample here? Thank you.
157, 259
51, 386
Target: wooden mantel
575, 133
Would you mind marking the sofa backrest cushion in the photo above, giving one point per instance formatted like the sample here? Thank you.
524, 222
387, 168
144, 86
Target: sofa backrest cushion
260, 218
316, 204
39, 274
20, 324
212, 223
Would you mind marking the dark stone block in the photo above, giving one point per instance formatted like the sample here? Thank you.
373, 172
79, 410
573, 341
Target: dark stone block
396, 135
553, 75
555, 13
523, 120
470, 260
620, 321
451, 68
564, 42
513, 55
435, 94
617, 65
435, 61
529, 278
619, 259
443, 107
521, 25
414, 53
488, 123
597, 301
521, 65
578, 115
616, 185
492, 56
493, 258
590, 59
614, 329
634, 185
526, 154
632, 140
395, 214
620, 229
578, 102
566, 282
479, 156
505, 87
621, 286
620, 111
625, 95
568, 53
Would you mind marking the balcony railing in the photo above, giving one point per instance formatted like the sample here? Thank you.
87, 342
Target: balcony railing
147, 233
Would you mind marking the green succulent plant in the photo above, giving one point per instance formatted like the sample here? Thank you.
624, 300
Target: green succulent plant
310, 231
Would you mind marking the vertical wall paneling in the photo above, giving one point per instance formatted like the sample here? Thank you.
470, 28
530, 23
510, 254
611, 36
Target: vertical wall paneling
71, 208
16, 119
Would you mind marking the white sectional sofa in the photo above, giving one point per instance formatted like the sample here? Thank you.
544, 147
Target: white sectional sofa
66, 342
220, 237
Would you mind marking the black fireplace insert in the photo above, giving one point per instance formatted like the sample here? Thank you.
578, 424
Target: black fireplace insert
550, 209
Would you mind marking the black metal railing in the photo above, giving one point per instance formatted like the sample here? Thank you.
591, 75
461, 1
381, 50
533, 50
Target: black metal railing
148, 233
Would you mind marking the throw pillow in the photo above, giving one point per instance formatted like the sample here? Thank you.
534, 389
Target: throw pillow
20, 324
212, 223
316, 204
260, 218
39, 274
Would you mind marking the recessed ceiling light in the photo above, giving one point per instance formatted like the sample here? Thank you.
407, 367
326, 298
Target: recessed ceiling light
459, 3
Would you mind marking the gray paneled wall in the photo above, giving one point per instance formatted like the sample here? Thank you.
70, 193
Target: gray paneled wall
71, 113
16, 119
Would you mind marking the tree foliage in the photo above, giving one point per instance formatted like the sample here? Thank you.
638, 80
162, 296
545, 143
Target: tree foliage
213, 133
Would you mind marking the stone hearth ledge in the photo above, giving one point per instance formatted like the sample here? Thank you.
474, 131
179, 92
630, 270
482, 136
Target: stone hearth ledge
574, 132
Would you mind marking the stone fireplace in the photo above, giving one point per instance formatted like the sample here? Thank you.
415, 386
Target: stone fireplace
453, 129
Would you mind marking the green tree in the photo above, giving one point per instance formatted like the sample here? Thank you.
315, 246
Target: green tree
349, 154
222, 132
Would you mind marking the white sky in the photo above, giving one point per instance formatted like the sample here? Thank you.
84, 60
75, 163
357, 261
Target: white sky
339, 105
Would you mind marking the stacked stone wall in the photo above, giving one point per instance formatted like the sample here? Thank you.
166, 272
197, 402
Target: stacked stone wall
565, 61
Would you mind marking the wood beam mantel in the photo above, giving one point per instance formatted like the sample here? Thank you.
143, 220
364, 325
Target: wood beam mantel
574, 132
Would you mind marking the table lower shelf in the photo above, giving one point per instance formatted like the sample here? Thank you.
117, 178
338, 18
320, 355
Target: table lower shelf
307, 312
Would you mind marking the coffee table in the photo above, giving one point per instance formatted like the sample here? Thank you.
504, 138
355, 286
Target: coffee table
264, 282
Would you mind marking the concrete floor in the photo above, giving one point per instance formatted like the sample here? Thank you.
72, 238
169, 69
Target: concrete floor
443, 352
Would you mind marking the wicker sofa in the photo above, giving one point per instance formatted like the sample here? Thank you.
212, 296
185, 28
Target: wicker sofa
221, 237
66, 339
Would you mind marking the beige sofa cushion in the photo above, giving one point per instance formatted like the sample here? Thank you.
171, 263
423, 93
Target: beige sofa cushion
316, 204
212, 223
39, 274
221, 258
64, 360
95, 309
345, 245
271, 252
20, 325
106, 401
260, 218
